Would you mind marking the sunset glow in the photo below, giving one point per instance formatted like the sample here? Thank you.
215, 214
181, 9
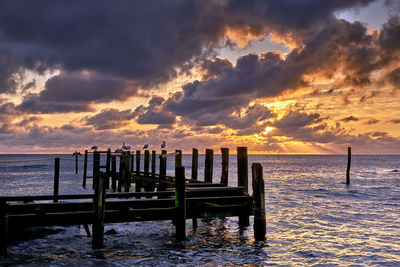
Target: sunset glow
207, 75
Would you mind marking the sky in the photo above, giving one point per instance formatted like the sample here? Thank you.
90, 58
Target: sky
289, 76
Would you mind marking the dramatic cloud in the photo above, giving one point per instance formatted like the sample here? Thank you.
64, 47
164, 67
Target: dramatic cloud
109, 119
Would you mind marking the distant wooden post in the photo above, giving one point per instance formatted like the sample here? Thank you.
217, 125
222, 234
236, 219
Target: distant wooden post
85, 169
126, 174
259, 202
195, 163
208, 166
108, 167
114, 173
153, 163
243, 179
137, 162
121, 173
3, 228
225, 164
348, 166
146, 163
163, 171
56, 178
98, 211
96, 166
180, 203
76, 154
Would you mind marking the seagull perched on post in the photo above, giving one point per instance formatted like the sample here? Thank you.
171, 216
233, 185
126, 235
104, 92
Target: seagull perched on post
76, 153
125, 147
163, 144
145, 146
94, 148
119, 150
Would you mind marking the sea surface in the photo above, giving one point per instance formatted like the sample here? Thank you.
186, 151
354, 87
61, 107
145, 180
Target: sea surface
313, 218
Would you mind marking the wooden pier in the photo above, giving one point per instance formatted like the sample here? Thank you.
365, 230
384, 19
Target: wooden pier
156, 196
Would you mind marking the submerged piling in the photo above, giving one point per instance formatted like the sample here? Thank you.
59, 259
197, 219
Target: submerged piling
208, 166
259, 202
56, 179
243, 179
348, 165
180, 203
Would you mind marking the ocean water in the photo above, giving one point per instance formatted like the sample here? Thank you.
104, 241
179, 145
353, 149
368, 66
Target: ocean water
313, 218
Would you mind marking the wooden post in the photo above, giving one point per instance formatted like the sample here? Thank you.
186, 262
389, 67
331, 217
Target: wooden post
108, 167
225, 164
3, 228
243, 179
163, 171
146, 163
121, 173
114, 173
208, 166
96, 166
259, 202
348, 166
153, 163
56, 178
98, 211
180, 203
137, 162
85, 169
131, 164
126, 174
76, 161
178, 158
195, 163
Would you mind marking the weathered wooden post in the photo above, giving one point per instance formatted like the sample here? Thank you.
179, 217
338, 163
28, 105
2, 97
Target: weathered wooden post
348, 166
225, 164
114, 173
260, 223
163, 171
85, 169
108, 167
178, 159
126, 174
153, 163
208, 166
180, 203
137, 162
3, 228
146, 163
76, 154
131, 163
56, 178
195, 163
96, 166
121, 173
243, 179
98, 210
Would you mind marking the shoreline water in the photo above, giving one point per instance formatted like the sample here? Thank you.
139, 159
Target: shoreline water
312, 218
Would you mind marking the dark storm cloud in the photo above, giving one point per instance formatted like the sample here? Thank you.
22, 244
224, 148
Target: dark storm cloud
152, 114
109, 119
142, 41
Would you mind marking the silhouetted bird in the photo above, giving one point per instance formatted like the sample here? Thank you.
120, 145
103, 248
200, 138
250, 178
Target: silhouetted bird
125, 147
119, 150
76, 153
145, 146
94, 148
163, 144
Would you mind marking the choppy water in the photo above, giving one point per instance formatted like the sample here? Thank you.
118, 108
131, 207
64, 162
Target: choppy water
313, 218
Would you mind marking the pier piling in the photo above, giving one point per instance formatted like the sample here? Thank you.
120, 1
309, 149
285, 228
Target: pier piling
225, 164
348, 166
259, 202
208, 166
195, 163
180, 203
56, 178
96, 166
243, 179
85, 169
98, 211
163, 171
